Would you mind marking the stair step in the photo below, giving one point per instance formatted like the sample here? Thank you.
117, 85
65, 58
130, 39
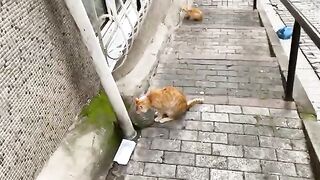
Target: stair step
230, 17
226, 4
239, 57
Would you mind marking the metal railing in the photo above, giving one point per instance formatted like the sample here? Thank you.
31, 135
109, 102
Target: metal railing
311, 31
119, 32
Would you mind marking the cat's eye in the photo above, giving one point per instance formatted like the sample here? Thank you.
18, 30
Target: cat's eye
140, 107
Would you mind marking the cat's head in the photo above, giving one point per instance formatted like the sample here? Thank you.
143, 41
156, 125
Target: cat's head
142, 104
185, 8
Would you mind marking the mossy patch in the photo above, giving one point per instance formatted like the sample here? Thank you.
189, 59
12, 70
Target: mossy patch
99, 116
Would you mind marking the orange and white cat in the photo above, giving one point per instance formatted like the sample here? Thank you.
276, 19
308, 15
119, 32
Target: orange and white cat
169, 103
193, 13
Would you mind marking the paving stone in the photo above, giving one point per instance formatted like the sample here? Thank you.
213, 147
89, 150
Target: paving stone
193, 90
218, 117
260, 153
211, 161
304, 170
166, 144
245, 119
227, 150
289, 133
275, 142
200, 126
292, 178
205, 84
238, 79
179, 158
241, 164
230, 85
255, 102
135, 177
217, 78
294, 123
143, 143
203, 108
284, 113
196, 147
255, 110
228, 109
300, 144
247, 140
255, 176
227, 73
184, 83
216, 99
228, 128
213, 137
293, 156
216, 91
216, 174
271, 121
278, 168
258, 130
184, 135
135, 168
152, 132
147, 155
159, 170
187, 172
192, 115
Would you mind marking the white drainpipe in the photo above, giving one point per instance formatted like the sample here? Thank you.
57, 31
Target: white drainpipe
80, 16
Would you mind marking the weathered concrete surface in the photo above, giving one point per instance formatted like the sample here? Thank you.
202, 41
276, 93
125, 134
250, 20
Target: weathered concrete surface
312, 129
161, 21
244, 130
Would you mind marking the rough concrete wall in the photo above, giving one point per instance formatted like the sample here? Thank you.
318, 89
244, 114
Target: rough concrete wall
46, 76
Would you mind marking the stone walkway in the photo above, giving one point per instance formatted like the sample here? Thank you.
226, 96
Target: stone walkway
244, 130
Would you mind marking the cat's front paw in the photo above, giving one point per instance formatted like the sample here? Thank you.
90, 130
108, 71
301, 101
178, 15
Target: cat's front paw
157, 119
163, 120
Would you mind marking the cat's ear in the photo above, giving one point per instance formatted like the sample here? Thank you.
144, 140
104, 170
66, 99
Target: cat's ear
136, 100
184, 8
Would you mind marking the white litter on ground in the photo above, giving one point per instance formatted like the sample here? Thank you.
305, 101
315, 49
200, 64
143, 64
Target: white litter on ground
124, 152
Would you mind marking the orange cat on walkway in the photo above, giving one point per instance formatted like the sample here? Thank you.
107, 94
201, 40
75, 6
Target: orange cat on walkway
168, 101
194, 14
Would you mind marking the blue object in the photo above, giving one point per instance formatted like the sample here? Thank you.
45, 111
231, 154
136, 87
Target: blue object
285, 32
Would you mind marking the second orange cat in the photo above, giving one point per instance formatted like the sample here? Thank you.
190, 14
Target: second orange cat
193, 13
169, 103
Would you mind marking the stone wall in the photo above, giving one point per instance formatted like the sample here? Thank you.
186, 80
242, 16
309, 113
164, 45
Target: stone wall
46, 76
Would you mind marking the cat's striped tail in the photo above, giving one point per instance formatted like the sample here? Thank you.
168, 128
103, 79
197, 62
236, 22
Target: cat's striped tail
192, 102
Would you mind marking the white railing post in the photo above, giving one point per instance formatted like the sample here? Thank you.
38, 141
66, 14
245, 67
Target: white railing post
81, 18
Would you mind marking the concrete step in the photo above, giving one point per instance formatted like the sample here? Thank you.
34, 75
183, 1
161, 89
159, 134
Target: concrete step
313, 139
213, 40
231, 17
226, 4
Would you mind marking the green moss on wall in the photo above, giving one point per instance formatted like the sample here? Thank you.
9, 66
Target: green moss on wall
99, 116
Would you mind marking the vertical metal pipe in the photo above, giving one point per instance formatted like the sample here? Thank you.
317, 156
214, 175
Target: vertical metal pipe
292, 61
89, 38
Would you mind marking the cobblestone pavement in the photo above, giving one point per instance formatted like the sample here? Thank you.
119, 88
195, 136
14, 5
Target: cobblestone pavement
244, 130
311, 10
